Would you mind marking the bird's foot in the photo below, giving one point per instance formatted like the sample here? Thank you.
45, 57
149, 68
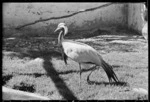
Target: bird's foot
110, 81
88, 78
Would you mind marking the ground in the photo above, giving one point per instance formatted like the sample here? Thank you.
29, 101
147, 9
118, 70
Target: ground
35, 65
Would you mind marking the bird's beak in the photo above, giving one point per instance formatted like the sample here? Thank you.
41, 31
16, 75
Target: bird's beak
57, 29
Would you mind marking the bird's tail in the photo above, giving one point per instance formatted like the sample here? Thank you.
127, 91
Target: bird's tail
109, 71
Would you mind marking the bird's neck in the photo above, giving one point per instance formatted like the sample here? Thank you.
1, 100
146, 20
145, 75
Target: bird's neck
60, 37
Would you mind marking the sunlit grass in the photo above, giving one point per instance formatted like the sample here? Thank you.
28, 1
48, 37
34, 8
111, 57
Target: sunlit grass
131, 67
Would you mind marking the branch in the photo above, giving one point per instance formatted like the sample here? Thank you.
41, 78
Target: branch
65, 16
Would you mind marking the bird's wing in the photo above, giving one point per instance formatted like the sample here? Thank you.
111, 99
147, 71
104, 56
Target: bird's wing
109, 71
65, 58
80, 52
83, 53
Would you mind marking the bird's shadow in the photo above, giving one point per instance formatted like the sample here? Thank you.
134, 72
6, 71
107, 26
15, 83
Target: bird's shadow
75, 71
120, 83
53, 74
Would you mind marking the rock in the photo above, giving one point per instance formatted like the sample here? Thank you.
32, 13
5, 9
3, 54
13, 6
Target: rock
140, 90
11, 94
122, 42
145, 31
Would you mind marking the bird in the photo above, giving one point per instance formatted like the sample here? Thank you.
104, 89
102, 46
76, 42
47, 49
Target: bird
145, 31
82, 53
144, 19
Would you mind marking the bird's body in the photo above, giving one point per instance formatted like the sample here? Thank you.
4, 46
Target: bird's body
144, 18
145, 31
82, 53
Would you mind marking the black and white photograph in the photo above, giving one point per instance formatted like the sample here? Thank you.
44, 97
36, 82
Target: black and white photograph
75, 51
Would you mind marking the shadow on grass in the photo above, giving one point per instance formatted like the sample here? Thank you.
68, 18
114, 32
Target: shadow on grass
107, 83
113, 47
6, 78
35, 53
62, 88
75, 71
120, 83
25, 87
32, 74
116, 66
64, 91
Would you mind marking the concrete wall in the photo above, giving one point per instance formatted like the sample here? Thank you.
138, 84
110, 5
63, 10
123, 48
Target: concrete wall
125, 14
135, 20
12, 94
15, 14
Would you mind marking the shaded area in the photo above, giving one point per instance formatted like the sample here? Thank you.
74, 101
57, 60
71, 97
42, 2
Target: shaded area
6, 78
75, 71
59, 83
108, 83
116, 66
119, 83
25, 87
40, 49
88, 33
51, 72
32, 74
30, 45
12, 94
109, 43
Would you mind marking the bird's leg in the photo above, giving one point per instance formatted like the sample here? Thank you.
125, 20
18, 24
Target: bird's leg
63, 56
62, 53
80, 74
91, 73
110, 80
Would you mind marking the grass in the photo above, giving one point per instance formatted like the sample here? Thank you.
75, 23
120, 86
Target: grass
36, 66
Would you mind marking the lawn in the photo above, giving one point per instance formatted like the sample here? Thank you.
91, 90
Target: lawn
35, 65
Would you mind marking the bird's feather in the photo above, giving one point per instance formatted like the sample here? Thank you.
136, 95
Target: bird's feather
80, 52
109, 71
64, 56
83, 53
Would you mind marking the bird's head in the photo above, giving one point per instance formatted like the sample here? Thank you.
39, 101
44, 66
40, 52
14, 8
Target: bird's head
62, 27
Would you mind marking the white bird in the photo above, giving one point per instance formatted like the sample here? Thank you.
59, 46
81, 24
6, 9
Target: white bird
82, 53
145, 31
145, 25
